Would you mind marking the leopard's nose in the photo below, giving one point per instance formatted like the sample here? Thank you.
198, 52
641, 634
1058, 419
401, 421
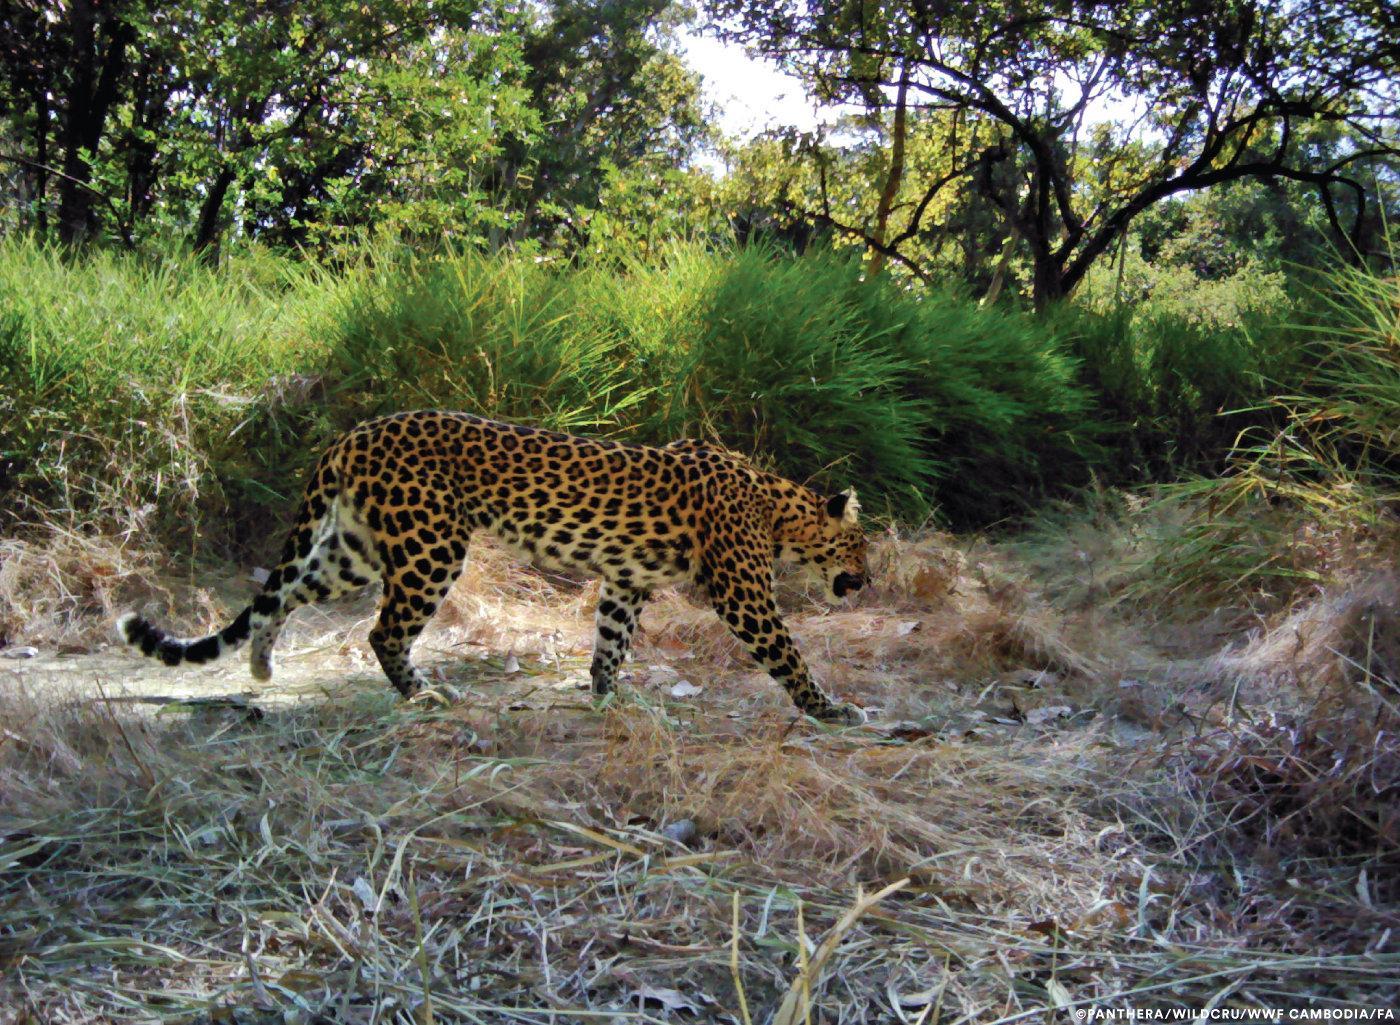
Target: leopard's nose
845, 582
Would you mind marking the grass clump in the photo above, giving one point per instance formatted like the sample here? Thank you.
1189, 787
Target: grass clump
1174, 394
117, 376
1012, 421
184, 401
1300, 493
1298, 771
782, 358
798, 360
1312, 497
501, 337
510, 857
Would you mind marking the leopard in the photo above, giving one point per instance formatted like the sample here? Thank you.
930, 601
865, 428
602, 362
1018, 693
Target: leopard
397, 500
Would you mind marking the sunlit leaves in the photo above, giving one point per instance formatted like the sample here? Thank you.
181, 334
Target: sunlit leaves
1202, 92
324, 123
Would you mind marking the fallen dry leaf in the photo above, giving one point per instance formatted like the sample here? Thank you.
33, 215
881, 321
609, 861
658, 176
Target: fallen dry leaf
1037, 716
670, 999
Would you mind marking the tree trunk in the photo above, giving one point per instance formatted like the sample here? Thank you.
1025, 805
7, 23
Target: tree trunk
150, 96
74, 200
896, 173
94, 87
1047, 282
206, 235
208, 228
41, 152
1008, 250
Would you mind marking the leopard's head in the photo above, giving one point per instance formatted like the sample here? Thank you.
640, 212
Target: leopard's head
825, 536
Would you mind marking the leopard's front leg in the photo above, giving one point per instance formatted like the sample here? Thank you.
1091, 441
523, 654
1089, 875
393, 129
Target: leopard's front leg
748, 609
619, 607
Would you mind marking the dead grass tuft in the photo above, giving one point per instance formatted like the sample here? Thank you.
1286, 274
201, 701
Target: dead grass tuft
1306, 788
1303, 837
1343, 639
1284, 799
61, 587
831, 809
525, 855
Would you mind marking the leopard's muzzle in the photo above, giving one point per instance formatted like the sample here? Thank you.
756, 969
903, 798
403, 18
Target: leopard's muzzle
846, 583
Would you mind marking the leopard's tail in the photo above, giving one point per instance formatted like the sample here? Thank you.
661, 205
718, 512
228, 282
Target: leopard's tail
151, 640
319, 561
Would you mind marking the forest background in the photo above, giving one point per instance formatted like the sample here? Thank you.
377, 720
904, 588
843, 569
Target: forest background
1095, 302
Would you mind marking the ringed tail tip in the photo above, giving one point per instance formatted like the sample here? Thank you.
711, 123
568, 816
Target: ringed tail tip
142, 634
129, 627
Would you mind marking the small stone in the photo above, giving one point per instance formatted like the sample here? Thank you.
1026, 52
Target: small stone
1039, 716
682, 831
20, 652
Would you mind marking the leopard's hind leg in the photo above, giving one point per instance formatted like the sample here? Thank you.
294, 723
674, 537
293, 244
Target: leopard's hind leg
338, 561
411, 595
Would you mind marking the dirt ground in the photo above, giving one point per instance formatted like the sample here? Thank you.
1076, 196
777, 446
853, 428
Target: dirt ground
916, 650
937, 623
677, 853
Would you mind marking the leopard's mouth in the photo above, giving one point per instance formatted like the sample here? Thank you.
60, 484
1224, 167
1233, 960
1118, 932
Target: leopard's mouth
846, 583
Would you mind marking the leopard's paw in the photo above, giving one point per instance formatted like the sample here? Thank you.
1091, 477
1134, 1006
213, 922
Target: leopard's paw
842, 713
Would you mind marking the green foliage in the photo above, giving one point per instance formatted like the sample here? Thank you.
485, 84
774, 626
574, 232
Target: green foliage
1248, 293
500, 337
1314, 489
786, 358
324, 123
1033, 180
115, 374
1348, 412
1176, 389
183, 401
1012, 418
186, 401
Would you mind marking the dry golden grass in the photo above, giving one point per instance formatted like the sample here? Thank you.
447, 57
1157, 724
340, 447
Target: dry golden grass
524, 855
1346, 634
61, 586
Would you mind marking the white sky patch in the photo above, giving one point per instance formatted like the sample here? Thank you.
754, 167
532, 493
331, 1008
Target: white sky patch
753, 94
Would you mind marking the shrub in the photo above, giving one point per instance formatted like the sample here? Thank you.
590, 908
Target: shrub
1175, 393
781, 357
165, 396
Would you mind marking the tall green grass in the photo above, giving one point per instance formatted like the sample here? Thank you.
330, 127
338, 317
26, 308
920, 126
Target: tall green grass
1175, 393
117, 377
1349, 413
1311, 490
185, 402
778, 357
800, 361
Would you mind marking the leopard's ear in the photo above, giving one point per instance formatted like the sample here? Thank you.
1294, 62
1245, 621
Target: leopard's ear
844, 507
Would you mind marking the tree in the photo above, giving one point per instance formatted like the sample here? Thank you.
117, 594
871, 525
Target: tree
912, 206
612, 98
65, 68
316, 122
1219, 92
